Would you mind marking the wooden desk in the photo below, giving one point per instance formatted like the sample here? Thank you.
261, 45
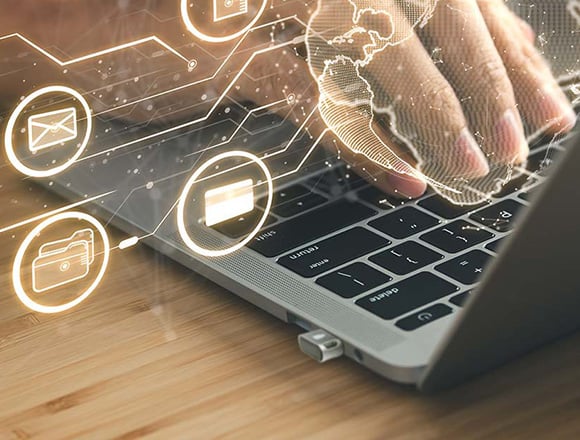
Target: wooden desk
159, 351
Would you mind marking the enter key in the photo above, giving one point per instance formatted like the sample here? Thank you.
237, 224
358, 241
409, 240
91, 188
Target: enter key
328, 254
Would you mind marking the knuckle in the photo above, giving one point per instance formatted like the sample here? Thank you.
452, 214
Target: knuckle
492, 70
528, 63
532, 57
523, 69
439, 95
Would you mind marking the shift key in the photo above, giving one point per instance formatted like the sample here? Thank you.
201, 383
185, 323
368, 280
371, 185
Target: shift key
316, 224
333, 252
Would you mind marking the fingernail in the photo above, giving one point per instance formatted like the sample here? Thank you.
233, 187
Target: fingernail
511, 144
569, 120
557, 111
474, 162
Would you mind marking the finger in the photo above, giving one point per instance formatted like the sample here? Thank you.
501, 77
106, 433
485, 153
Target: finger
399, 185
526, 29
424, 111
284, 75
476, 70
379, 69
541, 101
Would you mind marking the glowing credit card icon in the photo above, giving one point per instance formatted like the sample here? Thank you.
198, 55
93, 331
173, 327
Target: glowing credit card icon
229, 201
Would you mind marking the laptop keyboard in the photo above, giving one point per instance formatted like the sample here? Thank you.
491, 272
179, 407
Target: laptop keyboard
409, 262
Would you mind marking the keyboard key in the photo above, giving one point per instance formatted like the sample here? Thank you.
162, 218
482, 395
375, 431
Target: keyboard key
457, 236
337, 181
379, 199
333, 252
530, 193
242, 225
285, 195
424, 317
353, 280
466, 269
404, 297
313, 225
500, 216
541, 162
494, 246
299, 205
519, 183
461, 299
406, 258
404, 223
443, 208
544, 139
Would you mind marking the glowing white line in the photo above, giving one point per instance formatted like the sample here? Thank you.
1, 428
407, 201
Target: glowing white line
296, 40
166, 216
132, 241
293, 138
306, 156
129, 242
238, 128
542, 131
176, 89
485, 197
525, 172
145, 40
96, 54
56, 211
210, 78
300, 165
212, 109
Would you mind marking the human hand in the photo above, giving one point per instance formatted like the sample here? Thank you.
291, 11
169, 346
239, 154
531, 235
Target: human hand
448, 81
447, 96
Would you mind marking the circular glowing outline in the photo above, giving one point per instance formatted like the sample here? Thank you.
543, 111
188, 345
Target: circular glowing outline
192, 180
17, 282
196, 32
9, 146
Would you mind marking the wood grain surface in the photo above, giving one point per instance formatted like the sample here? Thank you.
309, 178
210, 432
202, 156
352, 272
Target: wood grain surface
160, 352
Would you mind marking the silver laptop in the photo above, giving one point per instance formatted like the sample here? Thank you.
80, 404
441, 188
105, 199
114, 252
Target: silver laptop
421, 292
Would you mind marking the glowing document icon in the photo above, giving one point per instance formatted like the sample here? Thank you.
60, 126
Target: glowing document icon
224, 9
228, 202
49, 129
63, 261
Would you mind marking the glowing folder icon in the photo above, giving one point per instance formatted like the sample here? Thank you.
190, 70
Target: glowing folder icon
224, 9
49, 129
228, 202
63, 261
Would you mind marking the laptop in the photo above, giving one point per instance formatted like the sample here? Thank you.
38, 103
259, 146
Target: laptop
421, 292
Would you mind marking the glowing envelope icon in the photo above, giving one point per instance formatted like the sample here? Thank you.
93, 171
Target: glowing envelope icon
49, 129
228, 202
